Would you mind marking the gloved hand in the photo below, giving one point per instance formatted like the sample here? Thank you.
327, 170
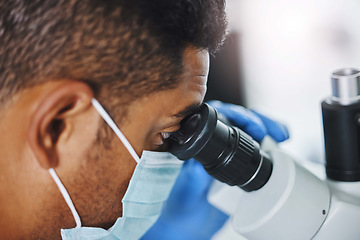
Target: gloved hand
187, 215
251, 122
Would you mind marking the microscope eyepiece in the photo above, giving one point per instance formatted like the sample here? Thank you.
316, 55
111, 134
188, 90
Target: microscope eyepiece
341, 117
226, 152
346, 86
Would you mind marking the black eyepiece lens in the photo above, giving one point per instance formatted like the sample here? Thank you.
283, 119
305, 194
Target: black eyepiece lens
187, 130
226, 152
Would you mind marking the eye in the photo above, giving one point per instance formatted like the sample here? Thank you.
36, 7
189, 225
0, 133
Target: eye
171, 129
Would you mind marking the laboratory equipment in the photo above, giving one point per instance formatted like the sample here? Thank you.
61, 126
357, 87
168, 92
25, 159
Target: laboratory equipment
282, 198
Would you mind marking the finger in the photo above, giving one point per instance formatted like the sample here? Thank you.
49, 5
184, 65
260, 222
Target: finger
242, 118
278, 131
191, 185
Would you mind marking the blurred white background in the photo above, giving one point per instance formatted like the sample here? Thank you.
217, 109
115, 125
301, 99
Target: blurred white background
288, 50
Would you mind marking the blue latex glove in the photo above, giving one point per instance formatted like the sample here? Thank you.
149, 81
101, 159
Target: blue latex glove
187, 215
251, 122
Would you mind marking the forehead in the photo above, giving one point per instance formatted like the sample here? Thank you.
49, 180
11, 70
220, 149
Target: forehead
196, 62
192, 87
190, 90
161, 107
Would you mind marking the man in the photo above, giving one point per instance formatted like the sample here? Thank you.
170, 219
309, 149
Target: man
146, 62
61, 166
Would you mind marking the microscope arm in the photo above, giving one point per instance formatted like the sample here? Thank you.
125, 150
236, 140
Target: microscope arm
293, 204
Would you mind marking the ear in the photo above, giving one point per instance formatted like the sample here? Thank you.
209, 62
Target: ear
48, 121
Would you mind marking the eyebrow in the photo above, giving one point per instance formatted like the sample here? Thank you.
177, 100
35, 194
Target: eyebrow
187, 111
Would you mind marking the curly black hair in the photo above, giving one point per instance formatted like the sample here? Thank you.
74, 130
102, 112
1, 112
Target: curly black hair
132, 47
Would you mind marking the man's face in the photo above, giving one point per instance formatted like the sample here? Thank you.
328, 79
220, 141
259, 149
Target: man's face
102, 181
151, 118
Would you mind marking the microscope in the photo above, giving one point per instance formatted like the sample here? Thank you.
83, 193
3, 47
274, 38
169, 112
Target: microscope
273, 196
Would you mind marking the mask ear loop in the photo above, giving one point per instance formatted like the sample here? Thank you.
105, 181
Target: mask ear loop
120, 135
115, 128
66, 197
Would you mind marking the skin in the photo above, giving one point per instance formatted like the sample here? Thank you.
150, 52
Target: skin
54, 125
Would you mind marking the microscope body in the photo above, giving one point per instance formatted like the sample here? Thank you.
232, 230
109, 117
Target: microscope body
298, 202
341, 119
343, 218
274, 197
294, 204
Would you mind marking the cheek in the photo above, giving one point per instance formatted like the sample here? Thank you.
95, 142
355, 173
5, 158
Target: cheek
144, 133
102, 184
139, 137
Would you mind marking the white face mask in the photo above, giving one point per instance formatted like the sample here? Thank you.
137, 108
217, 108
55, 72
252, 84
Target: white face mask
149, 187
